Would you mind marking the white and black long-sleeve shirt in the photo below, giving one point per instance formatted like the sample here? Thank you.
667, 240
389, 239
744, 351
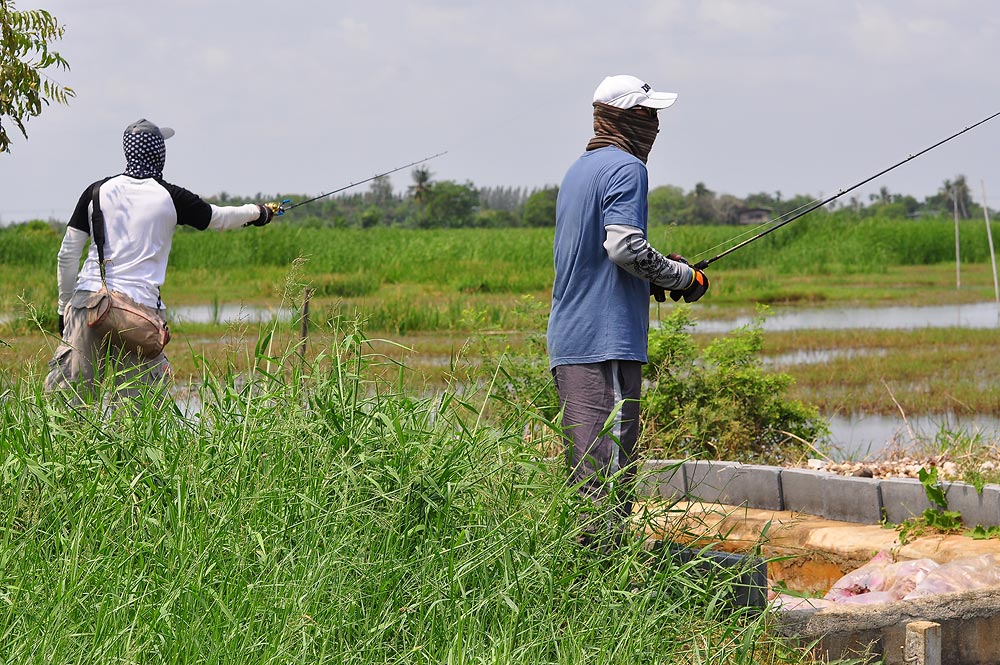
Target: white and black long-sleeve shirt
140, 216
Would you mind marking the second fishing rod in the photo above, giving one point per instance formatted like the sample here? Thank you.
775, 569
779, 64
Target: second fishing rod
281, 208
701, 265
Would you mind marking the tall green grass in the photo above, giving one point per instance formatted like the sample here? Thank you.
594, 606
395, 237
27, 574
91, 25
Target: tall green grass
306, 513
520, 259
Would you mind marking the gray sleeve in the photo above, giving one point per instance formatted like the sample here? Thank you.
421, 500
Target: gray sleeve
628, 248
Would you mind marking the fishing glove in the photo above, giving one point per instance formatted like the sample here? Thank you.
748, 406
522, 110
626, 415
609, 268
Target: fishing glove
697, 288
266, 214
657, 291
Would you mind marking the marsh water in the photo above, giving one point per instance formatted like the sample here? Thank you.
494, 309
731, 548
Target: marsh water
864, 435
969, 315
974, 315
855, 436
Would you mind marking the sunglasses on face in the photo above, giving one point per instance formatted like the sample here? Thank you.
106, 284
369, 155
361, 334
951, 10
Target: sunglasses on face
645, 110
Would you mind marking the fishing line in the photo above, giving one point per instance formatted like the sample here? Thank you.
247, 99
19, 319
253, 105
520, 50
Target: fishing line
282, 208
755, 229
701, 265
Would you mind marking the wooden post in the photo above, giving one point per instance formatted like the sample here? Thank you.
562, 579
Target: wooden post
989, 239
958, 263
304, 332
923, 643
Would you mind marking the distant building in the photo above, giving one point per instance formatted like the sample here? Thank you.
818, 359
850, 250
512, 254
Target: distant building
750, 216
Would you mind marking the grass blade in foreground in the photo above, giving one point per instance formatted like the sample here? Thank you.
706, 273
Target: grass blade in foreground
321, 517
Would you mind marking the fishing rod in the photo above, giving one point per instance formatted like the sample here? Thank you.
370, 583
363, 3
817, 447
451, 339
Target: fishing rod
701, 265
282, 208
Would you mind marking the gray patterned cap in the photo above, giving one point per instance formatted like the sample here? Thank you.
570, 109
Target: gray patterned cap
143, 126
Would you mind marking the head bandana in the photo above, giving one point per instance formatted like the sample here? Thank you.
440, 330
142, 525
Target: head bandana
627, 129
145, 155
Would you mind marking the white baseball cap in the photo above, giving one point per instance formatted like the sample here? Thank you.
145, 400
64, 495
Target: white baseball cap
624, 92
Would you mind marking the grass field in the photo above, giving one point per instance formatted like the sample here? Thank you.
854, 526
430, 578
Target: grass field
377, 500
319, 515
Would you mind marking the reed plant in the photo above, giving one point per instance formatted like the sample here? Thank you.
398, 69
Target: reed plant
306, 512
797, 263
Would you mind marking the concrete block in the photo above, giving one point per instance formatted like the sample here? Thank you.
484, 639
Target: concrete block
743, 574
751, 485
803, 490
664, 479
706, 480
974, 507
903, 498
923, 643
851, 499
991, 505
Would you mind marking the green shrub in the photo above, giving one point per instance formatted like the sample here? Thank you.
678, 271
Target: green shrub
720, 404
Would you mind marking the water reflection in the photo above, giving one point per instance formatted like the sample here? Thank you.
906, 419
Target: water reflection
863, 435
817, 356
973, 315
229, 313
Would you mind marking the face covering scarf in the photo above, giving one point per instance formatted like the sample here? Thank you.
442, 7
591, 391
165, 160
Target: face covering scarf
145, 155
631, 130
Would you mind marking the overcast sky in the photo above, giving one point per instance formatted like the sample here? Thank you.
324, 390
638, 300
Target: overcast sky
801, 97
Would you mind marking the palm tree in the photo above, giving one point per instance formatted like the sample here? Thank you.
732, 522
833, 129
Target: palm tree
421, 184
956, 194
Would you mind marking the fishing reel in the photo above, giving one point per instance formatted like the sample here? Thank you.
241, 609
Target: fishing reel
278, 208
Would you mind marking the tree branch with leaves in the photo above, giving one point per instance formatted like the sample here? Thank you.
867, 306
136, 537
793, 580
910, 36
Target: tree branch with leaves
25, 39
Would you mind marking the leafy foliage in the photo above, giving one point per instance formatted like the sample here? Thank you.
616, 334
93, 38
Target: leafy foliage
24, 51
540, 208
448, 204
719, 402
937, 518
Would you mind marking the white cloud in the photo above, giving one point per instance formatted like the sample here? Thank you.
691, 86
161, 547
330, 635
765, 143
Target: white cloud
354, 33
879, 33
741, 16
214, 60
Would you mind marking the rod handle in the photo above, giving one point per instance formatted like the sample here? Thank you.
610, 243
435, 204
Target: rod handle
701, 265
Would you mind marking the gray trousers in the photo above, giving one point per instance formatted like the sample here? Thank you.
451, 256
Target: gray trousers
600, 405
82, 361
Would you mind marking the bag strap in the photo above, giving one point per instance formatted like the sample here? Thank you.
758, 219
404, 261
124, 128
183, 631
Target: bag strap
97, 227
100, 237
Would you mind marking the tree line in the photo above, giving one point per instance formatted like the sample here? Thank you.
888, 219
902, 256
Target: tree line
430, 203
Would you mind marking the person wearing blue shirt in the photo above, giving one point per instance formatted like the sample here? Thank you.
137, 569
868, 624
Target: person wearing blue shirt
605, 270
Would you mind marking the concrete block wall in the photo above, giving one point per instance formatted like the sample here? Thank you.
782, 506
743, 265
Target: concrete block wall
848, 499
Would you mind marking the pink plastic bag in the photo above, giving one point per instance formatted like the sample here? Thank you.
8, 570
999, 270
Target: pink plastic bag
880, 580
979, 572
869, 577
903, 577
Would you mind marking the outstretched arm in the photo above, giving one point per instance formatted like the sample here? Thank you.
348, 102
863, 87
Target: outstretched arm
232, 217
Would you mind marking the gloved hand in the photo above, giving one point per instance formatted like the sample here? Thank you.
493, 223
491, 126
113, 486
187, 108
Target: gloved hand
267, 211
698, 288
657, 291
62, 325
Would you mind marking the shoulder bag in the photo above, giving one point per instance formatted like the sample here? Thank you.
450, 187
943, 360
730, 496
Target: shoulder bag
124, 323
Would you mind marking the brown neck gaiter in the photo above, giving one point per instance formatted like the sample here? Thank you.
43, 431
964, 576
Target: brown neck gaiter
628, 129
